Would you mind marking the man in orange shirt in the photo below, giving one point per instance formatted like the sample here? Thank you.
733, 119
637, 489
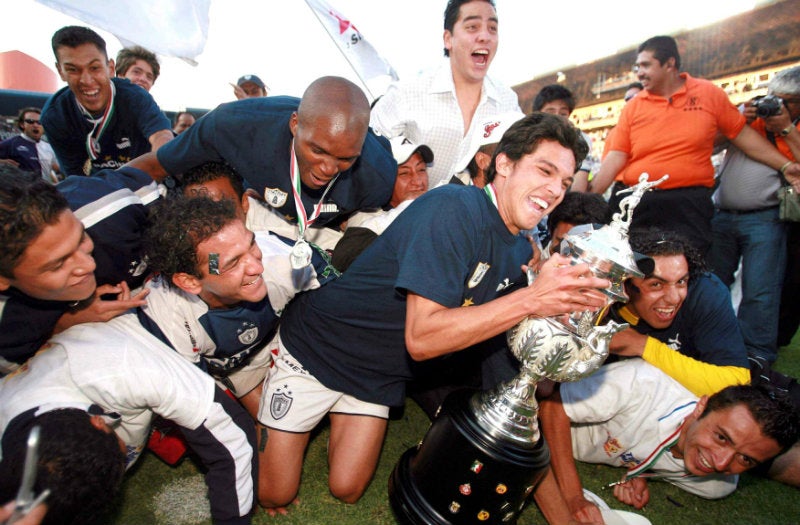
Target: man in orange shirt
669, 129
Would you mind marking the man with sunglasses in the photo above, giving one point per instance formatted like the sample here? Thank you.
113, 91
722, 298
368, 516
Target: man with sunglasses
28, 151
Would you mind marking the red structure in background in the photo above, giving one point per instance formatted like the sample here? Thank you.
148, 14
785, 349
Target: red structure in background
22, 72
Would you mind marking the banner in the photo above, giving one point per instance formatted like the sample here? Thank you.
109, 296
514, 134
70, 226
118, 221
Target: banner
177, 28
371, 68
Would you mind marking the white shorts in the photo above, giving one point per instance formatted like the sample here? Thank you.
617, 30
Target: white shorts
244, 379
294, 401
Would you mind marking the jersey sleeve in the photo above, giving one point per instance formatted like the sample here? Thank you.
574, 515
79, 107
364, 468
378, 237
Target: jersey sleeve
698, 377
193, 147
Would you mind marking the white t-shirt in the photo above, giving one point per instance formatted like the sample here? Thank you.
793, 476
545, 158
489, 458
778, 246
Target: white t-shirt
622, 412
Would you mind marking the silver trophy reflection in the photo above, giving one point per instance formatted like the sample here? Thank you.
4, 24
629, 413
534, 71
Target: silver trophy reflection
483, 455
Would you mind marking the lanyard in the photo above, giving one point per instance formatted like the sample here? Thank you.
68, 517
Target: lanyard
491, 193
303, 220
638, 470
99, 125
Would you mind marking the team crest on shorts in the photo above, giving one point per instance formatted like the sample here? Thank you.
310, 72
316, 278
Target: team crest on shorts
477, 276
275, 197
280, 405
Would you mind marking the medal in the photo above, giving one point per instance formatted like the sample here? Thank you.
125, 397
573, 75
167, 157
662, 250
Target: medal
301, 255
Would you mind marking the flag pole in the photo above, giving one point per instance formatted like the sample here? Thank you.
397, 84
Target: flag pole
355, 69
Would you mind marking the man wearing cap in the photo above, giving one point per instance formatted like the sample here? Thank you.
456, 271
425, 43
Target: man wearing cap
442, 108
412, 181
314, 160
471, 168
249, 86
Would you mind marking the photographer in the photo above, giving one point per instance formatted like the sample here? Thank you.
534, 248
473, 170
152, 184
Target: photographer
746, 225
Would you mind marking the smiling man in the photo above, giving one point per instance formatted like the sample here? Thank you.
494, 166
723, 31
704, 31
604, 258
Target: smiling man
670, 129
97, 122
316, 151
681, 317
700, 445
443, 108
138, 65
428, 286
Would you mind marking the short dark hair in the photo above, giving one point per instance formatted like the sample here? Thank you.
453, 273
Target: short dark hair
771, 408
553, 92
663, 48
635, 85
21, 114
178, 116
451, 12
525, 135
82, 466
580, 208
176, 226
656, 241
129, 55
74, 36
27, 205
209, 171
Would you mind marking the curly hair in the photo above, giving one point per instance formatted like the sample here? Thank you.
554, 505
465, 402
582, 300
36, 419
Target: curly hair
27, 205
656, 241
176, 226
209, 171
82, 466
771, 408
525, 135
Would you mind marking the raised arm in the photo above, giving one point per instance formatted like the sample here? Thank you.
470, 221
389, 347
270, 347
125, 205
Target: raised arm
611, 166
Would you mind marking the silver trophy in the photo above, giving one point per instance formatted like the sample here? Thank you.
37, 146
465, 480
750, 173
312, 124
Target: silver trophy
483, 456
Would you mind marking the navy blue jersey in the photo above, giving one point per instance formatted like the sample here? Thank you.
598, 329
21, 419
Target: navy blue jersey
112, 207
450, 246
23, 151
135, 118
705, 328
253, 136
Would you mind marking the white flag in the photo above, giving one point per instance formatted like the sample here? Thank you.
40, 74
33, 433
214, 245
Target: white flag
371, 68
177, 28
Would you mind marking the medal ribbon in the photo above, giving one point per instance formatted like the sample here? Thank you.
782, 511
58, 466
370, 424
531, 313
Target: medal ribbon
491, 193
99, 124
303, 221
638, 470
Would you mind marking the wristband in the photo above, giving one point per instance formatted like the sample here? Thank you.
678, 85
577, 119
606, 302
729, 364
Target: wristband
787, 130
783, 168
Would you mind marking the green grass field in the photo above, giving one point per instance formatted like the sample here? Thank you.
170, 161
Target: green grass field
155, 493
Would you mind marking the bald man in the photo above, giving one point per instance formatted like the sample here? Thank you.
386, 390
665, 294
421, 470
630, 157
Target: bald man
316, 150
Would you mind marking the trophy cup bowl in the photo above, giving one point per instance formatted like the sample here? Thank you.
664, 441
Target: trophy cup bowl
483, 454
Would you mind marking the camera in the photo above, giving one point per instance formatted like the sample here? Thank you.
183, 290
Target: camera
767, 106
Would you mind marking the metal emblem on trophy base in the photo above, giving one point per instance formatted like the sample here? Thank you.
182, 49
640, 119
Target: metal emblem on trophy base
483, 455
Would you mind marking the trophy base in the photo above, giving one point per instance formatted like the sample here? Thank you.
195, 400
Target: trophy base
461, 474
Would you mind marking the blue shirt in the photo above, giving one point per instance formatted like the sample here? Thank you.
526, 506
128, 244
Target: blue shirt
450, 246
135, 118
253, 136
23, 151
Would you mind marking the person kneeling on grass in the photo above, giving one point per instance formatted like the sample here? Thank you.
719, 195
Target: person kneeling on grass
630, 414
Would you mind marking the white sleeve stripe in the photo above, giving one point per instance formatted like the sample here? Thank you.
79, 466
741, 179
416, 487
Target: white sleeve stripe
106, 206
148, 193
230, 437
